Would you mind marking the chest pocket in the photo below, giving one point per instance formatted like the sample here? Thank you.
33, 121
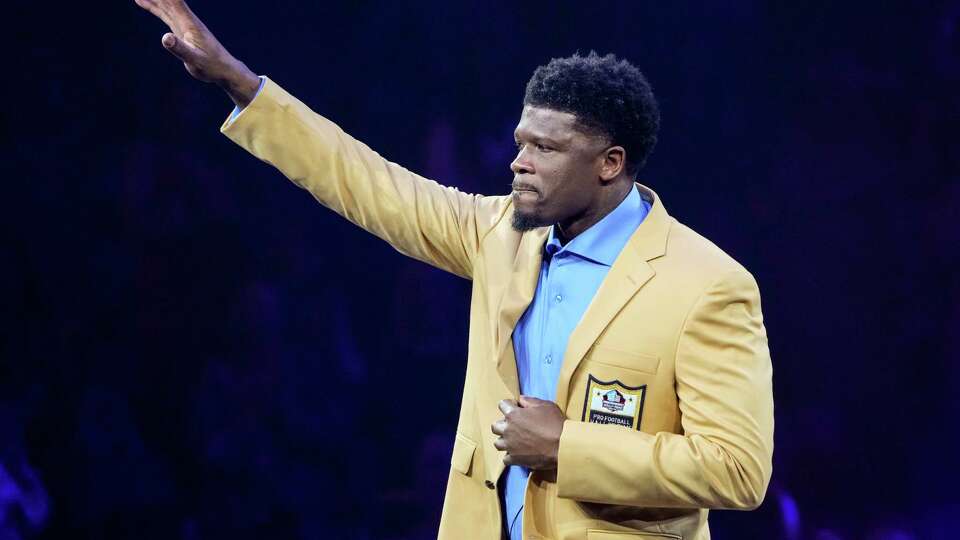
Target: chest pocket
612, 385
628, 360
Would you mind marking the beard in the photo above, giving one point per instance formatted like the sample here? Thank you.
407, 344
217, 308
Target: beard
523, 222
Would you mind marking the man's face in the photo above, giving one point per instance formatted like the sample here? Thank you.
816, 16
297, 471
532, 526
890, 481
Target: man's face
556, 171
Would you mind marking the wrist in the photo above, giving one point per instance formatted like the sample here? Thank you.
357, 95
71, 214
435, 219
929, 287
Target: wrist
240, 84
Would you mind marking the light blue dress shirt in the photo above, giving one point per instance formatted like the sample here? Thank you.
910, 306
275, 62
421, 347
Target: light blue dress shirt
569, 278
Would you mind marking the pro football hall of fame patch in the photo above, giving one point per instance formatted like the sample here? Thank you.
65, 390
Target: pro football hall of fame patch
613, 403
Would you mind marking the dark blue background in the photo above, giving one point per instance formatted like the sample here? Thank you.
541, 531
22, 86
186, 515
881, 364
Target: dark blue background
193, 348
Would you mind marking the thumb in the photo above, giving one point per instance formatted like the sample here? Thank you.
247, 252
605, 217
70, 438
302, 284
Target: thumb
178, 47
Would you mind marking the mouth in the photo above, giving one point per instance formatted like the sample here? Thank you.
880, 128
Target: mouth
520, 188
525, 198
518, 193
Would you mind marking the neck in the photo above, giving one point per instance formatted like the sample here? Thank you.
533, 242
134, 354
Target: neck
608, 200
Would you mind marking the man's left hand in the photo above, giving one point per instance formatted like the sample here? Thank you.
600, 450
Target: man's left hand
529, 432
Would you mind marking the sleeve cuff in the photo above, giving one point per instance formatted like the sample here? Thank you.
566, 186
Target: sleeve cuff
593, 472
237, 111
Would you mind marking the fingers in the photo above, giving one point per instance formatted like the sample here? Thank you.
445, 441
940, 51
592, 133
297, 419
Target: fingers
175, 13
154, 8
507, 406
179, 48
499, 427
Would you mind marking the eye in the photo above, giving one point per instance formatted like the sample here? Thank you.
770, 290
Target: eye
543, 148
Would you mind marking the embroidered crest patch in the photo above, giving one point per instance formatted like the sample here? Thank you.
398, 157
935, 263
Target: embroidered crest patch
613, 403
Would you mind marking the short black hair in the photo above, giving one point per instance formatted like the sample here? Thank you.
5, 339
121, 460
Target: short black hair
609, 96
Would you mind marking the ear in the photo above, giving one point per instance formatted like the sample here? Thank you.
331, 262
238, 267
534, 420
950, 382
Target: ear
614, 160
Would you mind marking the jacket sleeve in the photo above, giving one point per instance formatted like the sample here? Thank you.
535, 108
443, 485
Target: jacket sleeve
427, 221
723, 458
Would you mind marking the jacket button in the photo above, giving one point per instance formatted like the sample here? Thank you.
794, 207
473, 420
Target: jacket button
490, 484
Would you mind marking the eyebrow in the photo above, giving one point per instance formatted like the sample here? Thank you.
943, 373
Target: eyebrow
537, 138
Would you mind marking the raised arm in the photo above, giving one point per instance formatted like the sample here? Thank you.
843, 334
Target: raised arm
436, 224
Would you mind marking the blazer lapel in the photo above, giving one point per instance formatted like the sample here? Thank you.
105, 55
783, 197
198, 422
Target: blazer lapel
518, 295
629, 273
503, 377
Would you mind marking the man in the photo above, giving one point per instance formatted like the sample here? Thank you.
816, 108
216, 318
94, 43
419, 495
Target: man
618, 380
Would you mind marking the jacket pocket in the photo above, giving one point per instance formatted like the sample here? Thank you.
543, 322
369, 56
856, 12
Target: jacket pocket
646, 363
463, 450
598, 534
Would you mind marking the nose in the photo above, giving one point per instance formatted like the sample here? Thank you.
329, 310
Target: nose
520, 165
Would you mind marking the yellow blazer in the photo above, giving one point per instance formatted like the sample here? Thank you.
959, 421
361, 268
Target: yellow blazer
676, 324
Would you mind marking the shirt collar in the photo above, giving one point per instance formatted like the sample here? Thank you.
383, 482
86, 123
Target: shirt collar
604, 240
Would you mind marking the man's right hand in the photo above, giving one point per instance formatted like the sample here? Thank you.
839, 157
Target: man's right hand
203, 56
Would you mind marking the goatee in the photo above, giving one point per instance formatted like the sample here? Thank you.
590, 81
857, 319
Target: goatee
526, 222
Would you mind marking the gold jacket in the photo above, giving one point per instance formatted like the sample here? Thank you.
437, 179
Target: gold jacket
675, 325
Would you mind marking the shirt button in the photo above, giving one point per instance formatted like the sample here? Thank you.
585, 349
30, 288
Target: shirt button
490, 484
549, 359
559, 298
